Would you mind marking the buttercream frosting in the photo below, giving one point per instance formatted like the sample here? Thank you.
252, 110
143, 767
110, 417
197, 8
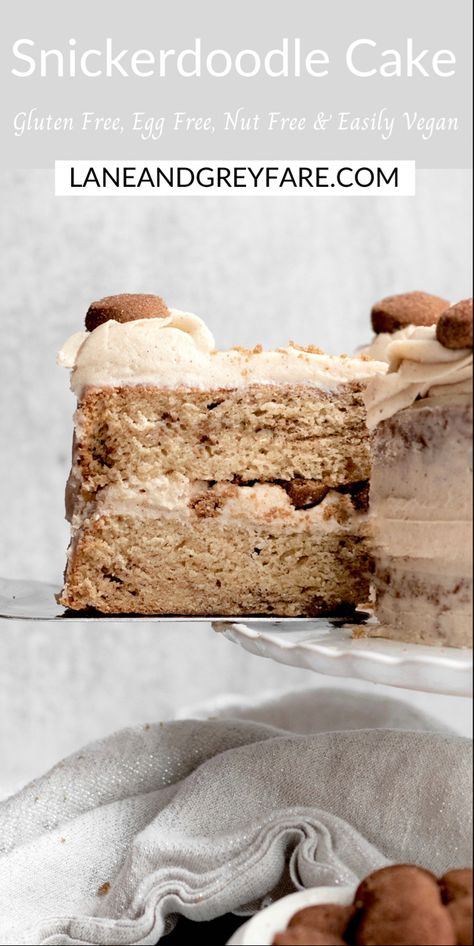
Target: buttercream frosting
419, 367
239, 506
380, 342
179, 351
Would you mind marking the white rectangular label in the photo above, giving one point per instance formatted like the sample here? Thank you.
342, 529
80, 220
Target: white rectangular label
234, 178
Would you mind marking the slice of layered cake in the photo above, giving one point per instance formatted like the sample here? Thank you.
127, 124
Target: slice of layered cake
420, 413
212, 482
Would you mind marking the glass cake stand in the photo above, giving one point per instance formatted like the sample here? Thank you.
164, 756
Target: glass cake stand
328, 645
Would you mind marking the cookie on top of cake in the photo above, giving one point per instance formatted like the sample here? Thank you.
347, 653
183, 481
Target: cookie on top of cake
394, 317
209, 482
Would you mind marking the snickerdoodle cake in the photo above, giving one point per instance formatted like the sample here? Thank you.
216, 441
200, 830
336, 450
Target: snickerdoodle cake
420, 413
212, 482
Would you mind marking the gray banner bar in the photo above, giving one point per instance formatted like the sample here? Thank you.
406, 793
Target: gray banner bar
401, 92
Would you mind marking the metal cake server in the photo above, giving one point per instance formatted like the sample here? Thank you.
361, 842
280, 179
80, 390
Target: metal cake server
24, 600
323, 645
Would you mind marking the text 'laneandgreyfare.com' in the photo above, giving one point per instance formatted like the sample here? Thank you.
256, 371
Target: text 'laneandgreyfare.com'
234, 178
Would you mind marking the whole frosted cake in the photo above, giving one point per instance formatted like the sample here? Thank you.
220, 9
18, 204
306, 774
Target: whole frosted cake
420, 413
213, 482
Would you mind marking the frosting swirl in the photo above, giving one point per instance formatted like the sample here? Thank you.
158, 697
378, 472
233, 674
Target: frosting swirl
419, 367
377, 349
178, 351
121, 351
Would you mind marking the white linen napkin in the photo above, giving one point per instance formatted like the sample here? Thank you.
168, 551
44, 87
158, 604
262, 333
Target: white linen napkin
203, 817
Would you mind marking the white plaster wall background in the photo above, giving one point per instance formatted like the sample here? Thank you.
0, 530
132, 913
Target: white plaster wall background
260, 270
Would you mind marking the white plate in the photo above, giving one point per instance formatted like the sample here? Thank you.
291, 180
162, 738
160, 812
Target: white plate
263, 927
325, 645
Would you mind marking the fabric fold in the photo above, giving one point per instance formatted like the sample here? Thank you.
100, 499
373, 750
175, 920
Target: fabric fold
202, 817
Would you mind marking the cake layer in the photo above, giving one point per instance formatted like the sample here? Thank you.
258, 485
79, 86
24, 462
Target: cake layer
261, 432
422, 465
417, 602
421, 500
190, 548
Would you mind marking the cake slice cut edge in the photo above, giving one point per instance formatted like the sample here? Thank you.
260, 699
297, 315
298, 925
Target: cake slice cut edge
207, 482
221, 549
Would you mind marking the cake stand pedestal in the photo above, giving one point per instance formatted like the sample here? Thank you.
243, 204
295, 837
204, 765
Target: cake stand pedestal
328, 645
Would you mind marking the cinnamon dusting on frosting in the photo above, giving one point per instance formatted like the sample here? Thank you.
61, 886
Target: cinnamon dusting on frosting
310, 349
179, 351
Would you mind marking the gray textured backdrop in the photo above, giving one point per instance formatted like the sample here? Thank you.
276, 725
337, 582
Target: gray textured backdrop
261, 270
233, 26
